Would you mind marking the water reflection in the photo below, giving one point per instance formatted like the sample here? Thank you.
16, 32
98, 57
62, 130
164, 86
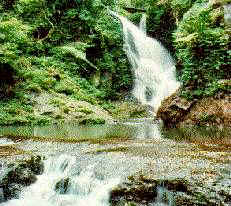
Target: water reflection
145, 129
141, 129
132, 129
208, 135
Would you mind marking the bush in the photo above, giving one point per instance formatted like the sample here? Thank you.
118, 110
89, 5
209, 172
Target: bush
29, 7
202, 47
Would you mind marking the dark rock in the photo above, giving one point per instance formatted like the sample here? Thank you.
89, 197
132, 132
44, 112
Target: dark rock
12, 191
137, 192
61, 186
36, 165
180, 185
19, 175
144, 191
173, 109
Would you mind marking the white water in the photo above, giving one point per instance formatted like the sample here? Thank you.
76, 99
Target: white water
164, 197
227, 15
84, 188
152, 64
5, 142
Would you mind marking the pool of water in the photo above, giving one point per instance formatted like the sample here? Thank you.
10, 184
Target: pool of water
199, 135
143, 128
132, 129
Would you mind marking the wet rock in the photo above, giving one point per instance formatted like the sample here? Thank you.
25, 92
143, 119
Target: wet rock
173, 109
180, 192
61, 186
176, 184
12, 191
18, 175
36, 165
144, 191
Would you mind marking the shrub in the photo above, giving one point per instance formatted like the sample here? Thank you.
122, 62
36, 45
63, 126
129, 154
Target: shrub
202, 50
29, 7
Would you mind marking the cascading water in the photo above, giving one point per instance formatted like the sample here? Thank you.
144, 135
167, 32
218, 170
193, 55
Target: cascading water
62, 185
152, 64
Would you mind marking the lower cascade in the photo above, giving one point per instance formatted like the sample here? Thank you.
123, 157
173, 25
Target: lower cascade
61, 185
153, 66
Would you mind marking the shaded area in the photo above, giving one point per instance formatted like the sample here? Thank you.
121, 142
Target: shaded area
7, 80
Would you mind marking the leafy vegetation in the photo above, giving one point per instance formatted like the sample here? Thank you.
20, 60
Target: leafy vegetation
75, 48
203, 51
71, 47
195, 33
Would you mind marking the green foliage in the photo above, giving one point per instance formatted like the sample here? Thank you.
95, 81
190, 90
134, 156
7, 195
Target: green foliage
207, 117
29, 7
85, 110
178, 7
203, 51
19, 112
61, 46
161, 23
92, 121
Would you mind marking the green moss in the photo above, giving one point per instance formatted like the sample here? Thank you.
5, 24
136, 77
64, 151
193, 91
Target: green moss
207, 118
92, 121
85, 110
127, 110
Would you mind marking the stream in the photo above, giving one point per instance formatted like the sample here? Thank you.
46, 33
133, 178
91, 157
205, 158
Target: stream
93, 168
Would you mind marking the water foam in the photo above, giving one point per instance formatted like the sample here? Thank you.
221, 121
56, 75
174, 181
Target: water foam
84, 188
153, 66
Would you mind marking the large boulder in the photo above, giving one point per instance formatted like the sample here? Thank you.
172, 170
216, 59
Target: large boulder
173, 109
176, 111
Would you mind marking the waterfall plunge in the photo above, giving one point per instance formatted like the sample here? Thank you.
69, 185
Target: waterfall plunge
153, 66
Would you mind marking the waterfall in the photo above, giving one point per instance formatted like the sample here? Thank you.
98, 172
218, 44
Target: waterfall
142, 25
153, 66
63, 185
